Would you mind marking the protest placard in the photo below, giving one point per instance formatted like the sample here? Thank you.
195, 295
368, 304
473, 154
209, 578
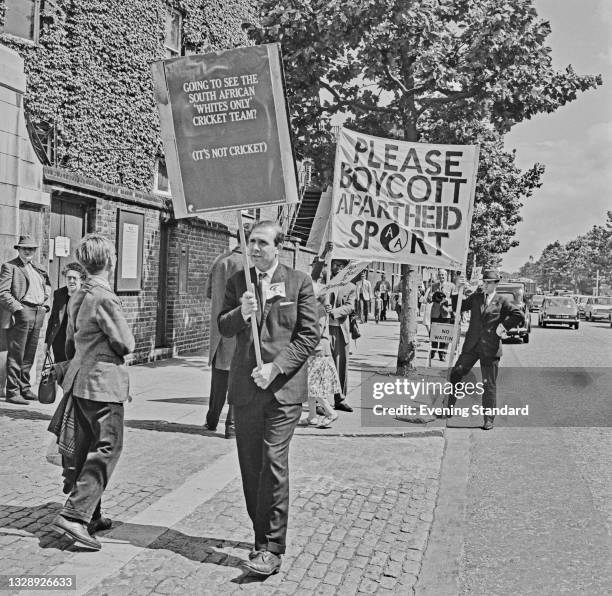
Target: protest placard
225, 130
476, 275
402, 202
344, 276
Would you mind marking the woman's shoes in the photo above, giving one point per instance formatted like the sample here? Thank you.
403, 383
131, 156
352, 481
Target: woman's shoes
327, 421
309, 422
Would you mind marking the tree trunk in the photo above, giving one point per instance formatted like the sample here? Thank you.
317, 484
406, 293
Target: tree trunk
408, 322
406, 352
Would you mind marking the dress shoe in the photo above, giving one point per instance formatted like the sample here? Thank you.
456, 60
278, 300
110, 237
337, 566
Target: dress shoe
99, 524
264, 563
342, 406
18, 400
77, 531
29, 395
488, 425
230, 432
210, 427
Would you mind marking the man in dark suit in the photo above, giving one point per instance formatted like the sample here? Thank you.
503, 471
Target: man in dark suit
24, 302
268, 400
491, 315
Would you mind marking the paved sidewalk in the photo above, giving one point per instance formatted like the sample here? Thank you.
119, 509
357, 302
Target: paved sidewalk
361, 506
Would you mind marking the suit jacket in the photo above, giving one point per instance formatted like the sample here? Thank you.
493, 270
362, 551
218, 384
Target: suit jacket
14, 284
97, 340
59, 314
288, 334
343, 305
481, 335
223, 267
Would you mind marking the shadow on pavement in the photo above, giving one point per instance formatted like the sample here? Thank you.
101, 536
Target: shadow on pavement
172, 427
23, 414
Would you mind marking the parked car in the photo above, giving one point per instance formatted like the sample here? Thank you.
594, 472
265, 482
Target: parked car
536, 302
515, 291
559, 310
581, 303
598, 307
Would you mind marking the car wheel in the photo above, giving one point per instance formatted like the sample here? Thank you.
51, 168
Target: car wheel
526, 339
575, 325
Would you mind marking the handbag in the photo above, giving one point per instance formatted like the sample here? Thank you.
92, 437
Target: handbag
354, 326
47, 388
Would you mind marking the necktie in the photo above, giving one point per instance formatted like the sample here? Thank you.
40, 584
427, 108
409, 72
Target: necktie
260, 279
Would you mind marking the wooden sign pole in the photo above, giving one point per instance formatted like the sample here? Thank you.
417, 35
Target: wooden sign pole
250, 287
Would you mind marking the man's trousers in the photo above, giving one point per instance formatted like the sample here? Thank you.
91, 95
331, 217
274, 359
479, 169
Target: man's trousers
264, 428
100, 427
340, 354
22, 338
488, 367
218, 393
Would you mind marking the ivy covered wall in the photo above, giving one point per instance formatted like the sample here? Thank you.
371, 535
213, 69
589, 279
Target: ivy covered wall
90, 74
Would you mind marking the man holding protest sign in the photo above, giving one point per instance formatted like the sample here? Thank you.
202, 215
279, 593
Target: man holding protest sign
341, 306
491, 315
268, 400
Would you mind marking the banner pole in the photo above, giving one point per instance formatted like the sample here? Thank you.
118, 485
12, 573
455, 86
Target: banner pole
249, 285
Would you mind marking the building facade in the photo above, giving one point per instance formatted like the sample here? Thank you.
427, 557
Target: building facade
80, 97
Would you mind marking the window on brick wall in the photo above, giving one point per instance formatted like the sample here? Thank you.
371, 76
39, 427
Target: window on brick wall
22, 18
161, 183
174, 33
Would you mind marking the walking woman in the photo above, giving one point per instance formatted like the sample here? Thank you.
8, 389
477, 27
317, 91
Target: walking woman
89, 422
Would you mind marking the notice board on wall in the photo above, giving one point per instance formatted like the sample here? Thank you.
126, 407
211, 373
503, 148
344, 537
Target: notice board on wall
225, 130
130, 248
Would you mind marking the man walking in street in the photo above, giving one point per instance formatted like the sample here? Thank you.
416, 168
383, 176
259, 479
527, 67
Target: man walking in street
221, 348
491, 316
383, 287
341, 306
24, 302
268, 400
364, 296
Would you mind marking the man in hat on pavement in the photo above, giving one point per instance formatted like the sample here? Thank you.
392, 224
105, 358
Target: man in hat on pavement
24, 301
491, 316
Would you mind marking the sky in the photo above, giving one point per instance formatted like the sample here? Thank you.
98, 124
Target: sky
575, 142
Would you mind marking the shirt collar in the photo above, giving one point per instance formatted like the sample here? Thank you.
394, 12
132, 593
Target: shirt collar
100, 280
25, 263
270, 272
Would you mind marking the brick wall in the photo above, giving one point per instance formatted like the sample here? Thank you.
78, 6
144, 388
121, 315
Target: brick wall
188, 311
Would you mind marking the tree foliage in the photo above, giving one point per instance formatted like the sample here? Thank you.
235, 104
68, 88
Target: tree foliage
575, 263
429, 70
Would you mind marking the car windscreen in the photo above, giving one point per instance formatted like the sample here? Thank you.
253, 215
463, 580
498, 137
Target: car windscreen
603, 301
561, 302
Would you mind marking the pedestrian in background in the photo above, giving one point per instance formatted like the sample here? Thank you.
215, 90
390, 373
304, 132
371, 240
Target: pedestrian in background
221, 348
383, 287
95, 384
364, 297
341, 306
55, 337
323, 381
440, 313
24, 301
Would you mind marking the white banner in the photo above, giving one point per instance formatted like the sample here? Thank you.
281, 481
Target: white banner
344, 276
402, 202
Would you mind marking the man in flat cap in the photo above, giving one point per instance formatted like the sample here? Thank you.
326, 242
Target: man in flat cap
491, 315
24, 301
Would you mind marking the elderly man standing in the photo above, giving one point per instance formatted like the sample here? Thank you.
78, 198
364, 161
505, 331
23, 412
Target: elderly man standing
268, 400
24, 302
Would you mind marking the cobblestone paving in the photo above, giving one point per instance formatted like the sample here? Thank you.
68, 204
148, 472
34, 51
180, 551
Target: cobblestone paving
361, 511
154, 462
